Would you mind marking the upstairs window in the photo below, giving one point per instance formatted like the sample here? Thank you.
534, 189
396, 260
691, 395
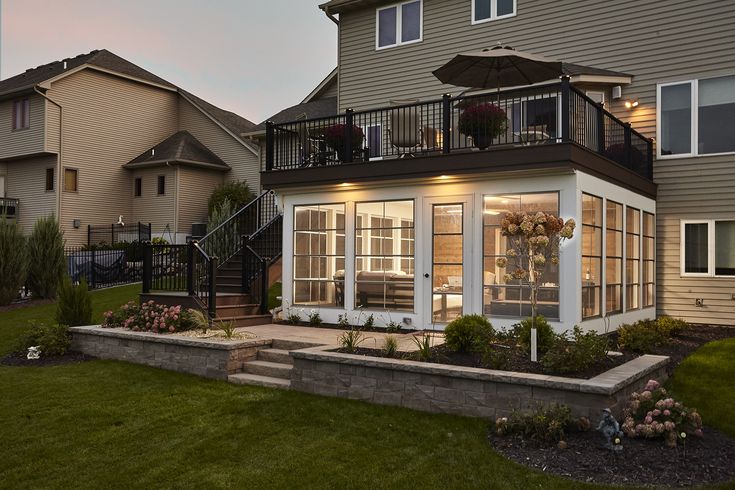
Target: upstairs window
71, 180
161, 185
697, 117
398, 24
138, 191
21, 114
486, 10
50, 178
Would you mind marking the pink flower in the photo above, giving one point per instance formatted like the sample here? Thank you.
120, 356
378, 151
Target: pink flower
656, 412
698, 433
667, 413
648, 419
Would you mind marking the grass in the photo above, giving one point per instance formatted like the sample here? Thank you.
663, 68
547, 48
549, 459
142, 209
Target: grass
113, 424
705, 381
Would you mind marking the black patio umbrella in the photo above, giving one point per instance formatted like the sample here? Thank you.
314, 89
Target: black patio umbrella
501, 66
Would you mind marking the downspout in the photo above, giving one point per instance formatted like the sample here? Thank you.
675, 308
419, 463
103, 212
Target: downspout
59, 176
339, 51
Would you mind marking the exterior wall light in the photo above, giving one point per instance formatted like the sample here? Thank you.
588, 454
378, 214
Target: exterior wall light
630, 104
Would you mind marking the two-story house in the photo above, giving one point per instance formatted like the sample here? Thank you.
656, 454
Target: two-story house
388, 206
94, 137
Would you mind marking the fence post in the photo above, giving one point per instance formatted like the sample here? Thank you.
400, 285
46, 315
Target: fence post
150, 232
190, 267
112, 234
147, 267
92, 273
212, 303
348, 136
446, 123
263, 287
269, 145
600, 129
89, 235
628, 144
565, 108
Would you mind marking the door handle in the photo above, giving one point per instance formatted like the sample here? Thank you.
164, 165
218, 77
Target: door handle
426, 275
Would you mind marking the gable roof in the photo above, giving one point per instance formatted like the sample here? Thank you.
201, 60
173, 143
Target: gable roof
324, 85
309, 110
180, 147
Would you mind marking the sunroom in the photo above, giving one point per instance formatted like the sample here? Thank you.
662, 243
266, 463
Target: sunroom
423, 252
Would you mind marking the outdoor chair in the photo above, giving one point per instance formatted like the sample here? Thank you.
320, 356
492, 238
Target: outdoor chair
405, 130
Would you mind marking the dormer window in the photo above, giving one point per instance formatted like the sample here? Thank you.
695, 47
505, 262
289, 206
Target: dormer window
486, 10
21, 114
398, 24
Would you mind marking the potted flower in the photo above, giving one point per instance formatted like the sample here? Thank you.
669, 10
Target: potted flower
336, 136
482, 122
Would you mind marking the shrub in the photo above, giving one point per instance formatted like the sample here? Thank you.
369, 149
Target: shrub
75, 304
668, 326
228, 329
496, 358
393, 327
151, 317
642, 336
545, 336
13, 261
236, 193
274, 292
468, 333
369, 322
314, 318
654, 414
424, 345
46, 260
544, 424
585, 350
351, 340
343, 321
52, 340
390, 346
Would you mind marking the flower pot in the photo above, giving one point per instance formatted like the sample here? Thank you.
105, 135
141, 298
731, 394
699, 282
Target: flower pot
482, 140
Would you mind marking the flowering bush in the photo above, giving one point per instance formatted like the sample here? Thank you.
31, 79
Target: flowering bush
334, 136
654, 414
150, 317
545, 424
483, 119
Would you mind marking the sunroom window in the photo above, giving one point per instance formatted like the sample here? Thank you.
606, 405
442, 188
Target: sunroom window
485, 10
591, 255
399, 24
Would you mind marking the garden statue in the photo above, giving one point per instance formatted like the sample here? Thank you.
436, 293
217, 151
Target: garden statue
611, 430
34, 352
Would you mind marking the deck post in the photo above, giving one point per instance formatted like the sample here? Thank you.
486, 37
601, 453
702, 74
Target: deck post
446, 123
565, 108
190, 267
212, 299
147, 267
349, 131
628, 145
269, 145
600, 129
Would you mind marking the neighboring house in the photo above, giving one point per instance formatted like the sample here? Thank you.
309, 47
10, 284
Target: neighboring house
94, 137
404, 220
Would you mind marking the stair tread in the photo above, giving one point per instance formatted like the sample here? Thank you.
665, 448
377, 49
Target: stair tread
240, 317
237, 305
257, 379
269, 364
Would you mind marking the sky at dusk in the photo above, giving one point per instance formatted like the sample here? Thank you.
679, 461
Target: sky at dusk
253, 57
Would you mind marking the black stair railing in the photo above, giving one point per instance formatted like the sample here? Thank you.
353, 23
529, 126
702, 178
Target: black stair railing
259, 251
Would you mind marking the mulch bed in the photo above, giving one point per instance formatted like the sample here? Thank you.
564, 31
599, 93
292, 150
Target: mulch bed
25, 303
334, 326
641, 462
20, 359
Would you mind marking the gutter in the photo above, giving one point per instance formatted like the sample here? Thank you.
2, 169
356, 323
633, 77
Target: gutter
59, 175
330, 14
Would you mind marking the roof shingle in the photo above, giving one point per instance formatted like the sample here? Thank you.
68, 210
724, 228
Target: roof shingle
180, 147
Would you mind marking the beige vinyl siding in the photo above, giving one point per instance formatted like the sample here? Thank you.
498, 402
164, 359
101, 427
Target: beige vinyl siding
195, 187
26, 180
331, 90
108, 121
151, 208
23, 141
52, 127
243, 162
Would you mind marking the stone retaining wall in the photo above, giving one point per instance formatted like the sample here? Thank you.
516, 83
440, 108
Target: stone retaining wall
203, 357
466, 391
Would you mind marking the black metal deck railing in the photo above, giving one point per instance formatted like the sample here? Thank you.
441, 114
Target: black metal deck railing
548, 114
9, 208
260, 251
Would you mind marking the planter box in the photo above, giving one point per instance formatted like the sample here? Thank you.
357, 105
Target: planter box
203, 357
466, 391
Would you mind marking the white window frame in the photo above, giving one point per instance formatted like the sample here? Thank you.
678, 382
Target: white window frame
694, 150
399, 25
493, 12
711, 247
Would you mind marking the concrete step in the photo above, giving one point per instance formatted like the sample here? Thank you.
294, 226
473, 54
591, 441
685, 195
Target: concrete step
266, 368
292, 344
275, 355
257, 380
231, 311
246, 320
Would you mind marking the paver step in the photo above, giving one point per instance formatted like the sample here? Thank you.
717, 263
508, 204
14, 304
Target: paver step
292, 344
258, 380
266, 368
275, 355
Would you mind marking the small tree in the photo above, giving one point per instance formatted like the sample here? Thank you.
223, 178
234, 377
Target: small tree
533, 243
75, 304
46, 261
218, 241
13, 261
237, 192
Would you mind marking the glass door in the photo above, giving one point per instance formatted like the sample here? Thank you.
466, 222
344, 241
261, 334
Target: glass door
449, 241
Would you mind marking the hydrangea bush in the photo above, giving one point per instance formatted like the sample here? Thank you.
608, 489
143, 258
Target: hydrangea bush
654, 414
150, 317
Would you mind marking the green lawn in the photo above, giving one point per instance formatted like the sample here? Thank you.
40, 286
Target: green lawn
111, 424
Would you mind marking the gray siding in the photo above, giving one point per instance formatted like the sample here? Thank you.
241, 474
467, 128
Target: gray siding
195, 187
26, 180
244, 163
657, 41
108, 121
25, 141
151, 208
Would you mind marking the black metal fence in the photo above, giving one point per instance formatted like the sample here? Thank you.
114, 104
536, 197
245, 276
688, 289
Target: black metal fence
260, 250
106, 266
553, 113
115, 233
